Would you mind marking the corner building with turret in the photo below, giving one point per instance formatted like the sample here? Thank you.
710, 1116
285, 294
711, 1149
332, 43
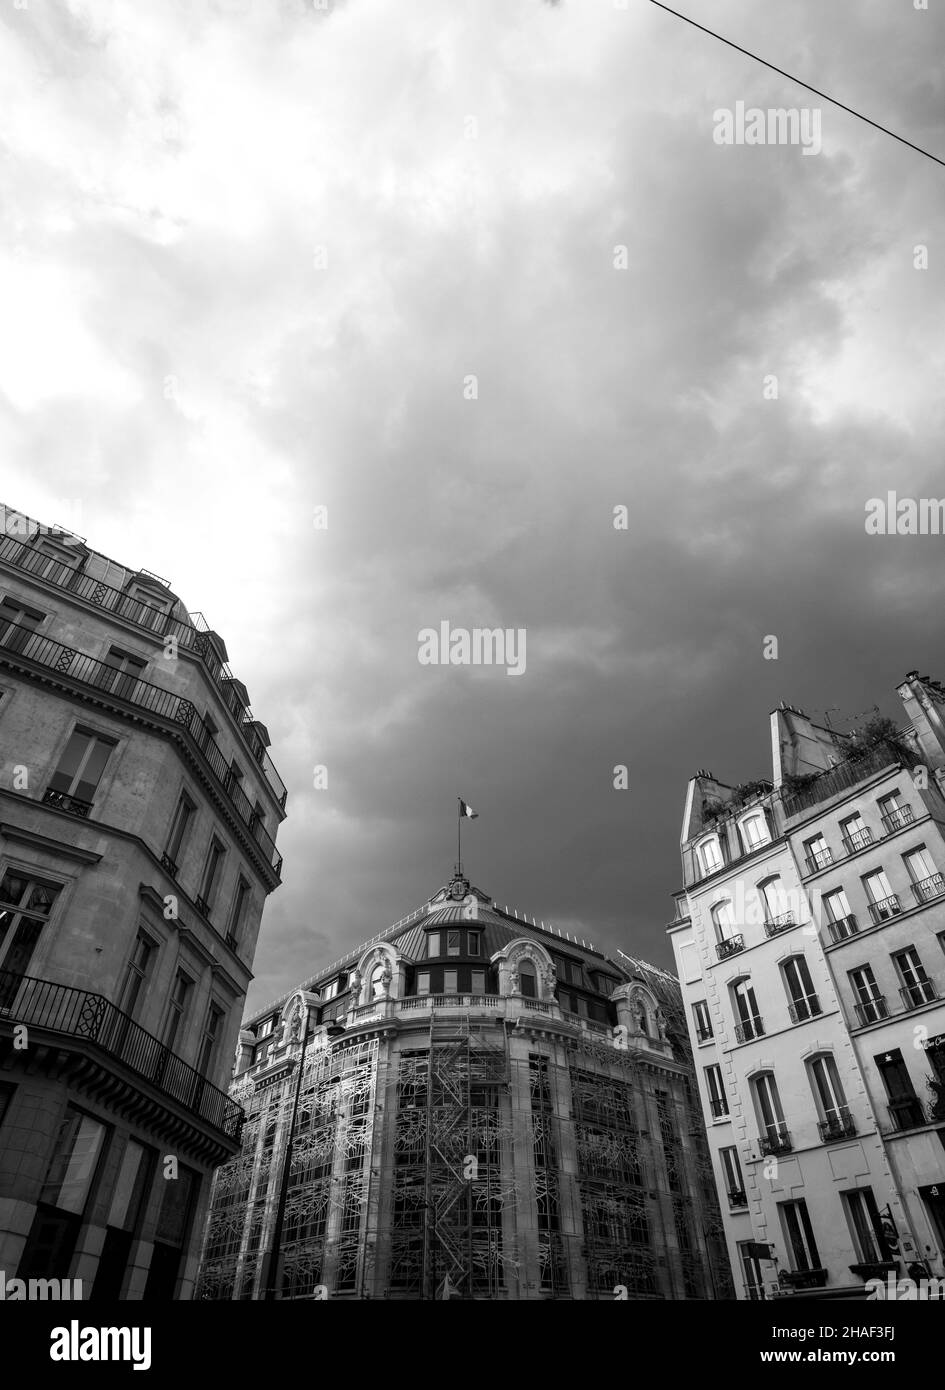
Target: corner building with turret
478, 1108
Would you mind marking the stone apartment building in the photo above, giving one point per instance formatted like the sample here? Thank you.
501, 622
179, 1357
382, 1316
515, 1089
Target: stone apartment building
810, 940
138, 815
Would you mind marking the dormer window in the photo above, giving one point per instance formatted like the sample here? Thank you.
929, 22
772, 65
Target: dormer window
754, 831
710, 855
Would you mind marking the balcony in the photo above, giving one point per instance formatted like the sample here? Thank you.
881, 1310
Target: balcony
203, 907
730, 946
737, 1199
191, 635
749, 1029
871, 1010
76, 1013
839, 1124
918, 993
857, 839
907, 1112
819, 859
98, 675
843, 928
719, 1109
847, 774
896, 818
72, 804
775, 1140
703, 1035
775, 925
928, 888
885, 908
801, 1010
168, 864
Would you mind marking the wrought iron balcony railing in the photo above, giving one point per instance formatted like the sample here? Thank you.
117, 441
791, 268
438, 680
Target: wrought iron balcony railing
839, 1124
907, 1112
843, 927
730, 946
872, 1010
749, 1029
928, 888
98, 675
703, 1035
896, 818
819, 859
191, 635
719, 1109
857, 839
775, 1140
801, 1010
885, 908
915, 995
775, 925
72, 804
77, 1013
737, 1198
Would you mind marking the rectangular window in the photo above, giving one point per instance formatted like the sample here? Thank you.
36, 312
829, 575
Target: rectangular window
700, 1014
423, 982
212, 1029
894, 812
265, 1028
870, 1005
750, 1024
171, 1235
433, 945
240, 899
799, 1236
710, 855
768, 1105
755, 831
856, 834
472, 943
120, 672
452, 943
177, 1009
331, 989
74, 1162
211, 876
80, 771
884, 903
751, 1270
817, 853
25, 906
136, 975
131, 1187
927, 882
840, 920
449, 981
828, 1091
183, 817
17, 624
866, 1225
478, 982
715, 1086
917, 988
732, 1175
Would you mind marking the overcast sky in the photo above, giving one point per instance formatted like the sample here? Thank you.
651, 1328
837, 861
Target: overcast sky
251, 253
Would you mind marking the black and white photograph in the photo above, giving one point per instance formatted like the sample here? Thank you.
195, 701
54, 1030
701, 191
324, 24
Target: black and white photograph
472, 706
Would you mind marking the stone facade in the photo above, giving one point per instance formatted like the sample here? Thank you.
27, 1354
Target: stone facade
138, 814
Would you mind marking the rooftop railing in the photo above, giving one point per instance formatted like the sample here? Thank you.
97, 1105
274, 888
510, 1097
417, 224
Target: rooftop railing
846, 774
99, 676
77, 1013
191, 635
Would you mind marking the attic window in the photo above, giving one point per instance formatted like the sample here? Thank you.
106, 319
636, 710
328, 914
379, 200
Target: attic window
710, 855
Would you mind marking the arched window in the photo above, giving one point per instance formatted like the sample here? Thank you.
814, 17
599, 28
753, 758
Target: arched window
754, 831
776, 902
710, 855
723, 917
803, 1002
377, 978
528, 983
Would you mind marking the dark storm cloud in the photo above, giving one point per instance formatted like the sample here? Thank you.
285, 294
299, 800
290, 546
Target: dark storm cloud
274, 254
